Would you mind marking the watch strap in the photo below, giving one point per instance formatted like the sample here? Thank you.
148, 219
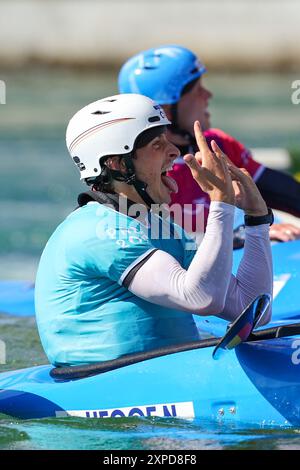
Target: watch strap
251, 221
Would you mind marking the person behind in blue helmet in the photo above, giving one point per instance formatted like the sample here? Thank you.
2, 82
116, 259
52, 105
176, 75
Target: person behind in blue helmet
172, 76
107, 284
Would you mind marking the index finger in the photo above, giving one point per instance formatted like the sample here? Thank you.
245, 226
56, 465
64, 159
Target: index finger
200, 139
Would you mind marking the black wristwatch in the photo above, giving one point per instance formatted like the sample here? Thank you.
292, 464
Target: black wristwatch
251, 220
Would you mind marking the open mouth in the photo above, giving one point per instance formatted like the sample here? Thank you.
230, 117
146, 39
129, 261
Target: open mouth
169, 182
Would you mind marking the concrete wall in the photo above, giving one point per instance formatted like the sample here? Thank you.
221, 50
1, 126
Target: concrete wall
241, 33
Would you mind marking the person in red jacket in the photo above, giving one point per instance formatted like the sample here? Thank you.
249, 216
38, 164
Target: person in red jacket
172, 76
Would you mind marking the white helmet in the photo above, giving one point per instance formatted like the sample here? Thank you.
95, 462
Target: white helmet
110, 127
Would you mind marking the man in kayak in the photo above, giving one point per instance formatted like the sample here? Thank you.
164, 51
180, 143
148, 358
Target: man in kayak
118, 276
172, 76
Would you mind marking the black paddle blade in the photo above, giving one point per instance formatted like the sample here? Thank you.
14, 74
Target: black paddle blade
242, 327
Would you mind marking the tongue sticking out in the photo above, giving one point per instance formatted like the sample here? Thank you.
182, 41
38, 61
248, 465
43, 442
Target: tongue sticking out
170, 183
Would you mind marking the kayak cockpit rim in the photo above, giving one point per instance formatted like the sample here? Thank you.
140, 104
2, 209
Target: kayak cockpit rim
66, 373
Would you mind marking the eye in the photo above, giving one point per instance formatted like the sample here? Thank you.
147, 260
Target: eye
156, 145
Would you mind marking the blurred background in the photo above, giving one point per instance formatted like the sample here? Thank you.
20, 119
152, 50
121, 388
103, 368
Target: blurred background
58, 55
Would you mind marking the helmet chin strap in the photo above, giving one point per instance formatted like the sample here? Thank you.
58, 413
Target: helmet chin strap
139, 186
130, 178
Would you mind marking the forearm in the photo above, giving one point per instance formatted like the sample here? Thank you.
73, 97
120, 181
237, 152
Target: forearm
202, 288
280, 191
254, 275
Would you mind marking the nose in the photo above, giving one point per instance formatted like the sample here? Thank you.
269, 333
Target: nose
208, 94
205, 93
174, 151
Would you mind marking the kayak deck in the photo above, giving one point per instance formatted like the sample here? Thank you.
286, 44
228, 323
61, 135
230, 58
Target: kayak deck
274, 367
183, 385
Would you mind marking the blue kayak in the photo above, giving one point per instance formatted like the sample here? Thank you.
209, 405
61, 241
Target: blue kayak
258, 383
286, 301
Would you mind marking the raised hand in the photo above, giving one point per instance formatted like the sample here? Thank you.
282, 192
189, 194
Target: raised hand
247, 195
210, 170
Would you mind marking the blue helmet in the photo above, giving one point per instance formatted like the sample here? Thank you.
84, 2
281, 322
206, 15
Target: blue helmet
160, 73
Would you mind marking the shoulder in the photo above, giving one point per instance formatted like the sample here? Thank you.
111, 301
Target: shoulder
95, 224
93, 212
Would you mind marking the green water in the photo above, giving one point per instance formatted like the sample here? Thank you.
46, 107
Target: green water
137, 434
38, 187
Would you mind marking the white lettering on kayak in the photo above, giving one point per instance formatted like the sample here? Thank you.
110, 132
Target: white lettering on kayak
296, 354
171, 410
279, 283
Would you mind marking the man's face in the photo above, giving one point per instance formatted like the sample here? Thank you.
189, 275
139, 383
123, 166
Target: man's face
193, 106
151, 164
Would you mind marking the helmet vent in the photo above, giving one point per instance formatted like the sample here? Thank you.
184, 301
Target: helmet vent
154, 119
101, 112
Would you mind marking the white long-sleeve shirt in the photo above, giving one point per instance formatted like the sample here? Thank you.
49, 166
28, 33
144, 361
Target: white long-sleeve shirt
208, 286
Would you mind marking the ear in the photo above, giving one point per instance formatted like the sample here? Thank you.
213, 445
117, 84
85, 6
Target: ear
167, 110
115, 163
